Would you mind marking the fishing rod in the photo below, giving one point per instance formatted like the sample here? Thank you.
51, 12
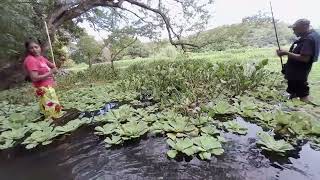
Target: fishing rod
276, 32
50, 44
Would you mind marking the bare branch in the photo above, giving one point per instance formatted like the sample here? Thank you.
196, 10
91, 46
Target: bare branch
167, 22
113, 57
125, 9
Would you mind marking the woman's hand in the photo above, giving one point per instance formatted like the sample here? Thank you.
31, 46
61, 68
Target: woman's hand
53, 70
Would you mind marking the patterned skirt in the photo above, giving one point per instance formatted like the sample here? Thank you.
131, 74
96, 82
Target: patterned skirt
48, 102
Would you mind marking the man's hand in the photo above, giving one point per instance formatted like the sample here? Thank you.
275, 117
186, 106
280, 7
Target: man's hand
282, 53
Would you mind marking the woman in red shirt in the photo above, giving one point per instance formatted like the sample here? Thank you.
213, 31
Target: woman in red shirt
41, 72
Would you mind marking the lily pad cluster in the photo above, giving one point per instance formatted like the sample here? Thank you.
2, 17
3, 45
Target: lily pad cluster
122, 124
186, 135
18, 130
268, 143
93, 98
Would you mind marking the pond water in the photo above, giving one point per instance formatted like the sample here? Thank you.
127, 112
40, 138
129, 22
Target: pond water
83, 156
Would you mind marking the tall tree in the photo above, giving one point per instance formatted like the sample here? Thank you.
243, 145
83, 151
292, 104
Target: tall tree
88, 48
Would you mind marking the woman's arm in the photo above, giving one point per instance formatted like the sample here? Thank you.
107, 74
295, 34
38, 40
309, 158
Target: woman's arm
50, 64
34, 75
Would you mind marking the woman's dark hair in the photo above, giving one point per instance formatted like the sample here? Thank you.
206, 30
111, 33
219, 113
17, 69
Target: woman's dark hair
32, 40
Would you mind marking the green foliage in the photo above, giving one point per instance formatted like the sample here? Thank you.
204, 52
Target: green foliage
113, 140
243, 76
235, 127
208, 145
219, 108
209, 130
88, 50
170, 81
270, 144
168, 52
247, 106
18, 22
254, 31
132, 130
43, 136
181, 145
70, 126
96, 74
265, 117
122, 114
11, 96
107, 129
179, 89
8, 138
204, 145
123, 43
201, 121
174, 125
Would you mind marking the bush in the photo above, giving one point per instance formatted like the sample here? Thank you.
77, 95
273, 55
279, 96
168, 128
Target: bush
68, 63
193, 78
98, 73
168, 52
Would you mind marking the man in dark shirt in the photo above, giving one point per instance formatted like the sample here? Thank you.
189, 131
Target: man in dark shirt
300, 59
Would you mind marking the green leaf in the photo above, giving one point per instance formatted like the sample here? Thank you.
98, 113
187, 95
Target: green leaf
17, 117
234, 127
201, 120
205, 155
217, 152
190, 151
171, 136
150, 118
46, 143
69, 127
210, 130
183, 144
8, 143
113, 140
223, 107
270, 144
171, 143
106, 129
30, 146
172, 153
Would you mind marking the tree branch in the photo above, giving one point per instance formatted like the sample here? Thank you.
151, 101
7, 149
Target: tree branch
135, 14
113, 57
65, 14
167, 22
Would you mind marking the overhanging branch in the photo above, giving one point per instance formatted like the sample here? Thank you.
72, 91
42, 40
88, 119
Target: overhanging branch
167, 23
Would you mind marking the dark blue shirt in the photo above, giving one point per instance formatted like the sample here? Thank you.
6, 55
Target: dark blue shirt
297, 70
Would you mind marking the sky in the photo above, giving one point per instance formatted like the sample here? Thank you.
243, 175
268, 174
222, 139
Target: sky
227, 12
232, 11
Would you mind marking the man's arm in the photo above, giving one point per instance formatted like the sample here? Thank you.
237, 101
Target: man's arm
297, 57
305, 55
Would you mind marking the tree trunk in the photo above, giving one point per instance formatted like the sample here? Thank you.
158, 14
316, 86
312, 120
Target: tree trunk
90, 62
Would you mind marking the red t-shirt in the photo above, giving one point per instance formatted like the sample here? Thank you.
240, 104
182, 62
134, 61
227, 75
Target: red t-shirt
40, 65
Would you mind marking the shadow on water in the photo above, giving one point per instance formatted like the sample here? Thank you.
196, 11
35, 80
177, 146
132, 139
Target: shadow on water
83, 156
